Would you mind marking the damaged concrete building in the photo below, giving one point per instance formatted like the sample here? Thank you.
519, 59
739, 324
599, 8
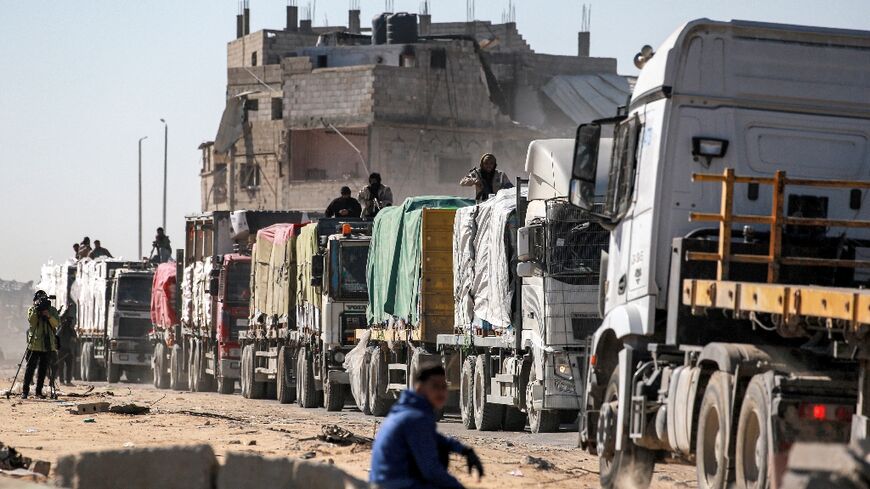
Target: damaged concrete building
310, 109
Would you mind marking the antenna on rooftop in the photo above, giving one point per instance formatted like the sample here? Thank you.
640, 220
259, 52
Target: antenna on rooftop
469, 10
291, 3
510, 13
424, 7
586, 18
389, 6
353, 5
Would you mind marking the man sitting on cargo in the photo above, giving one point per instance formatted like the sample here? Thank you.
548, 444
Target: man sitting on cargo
344, 206
408, 452
99, 251
486, 179
84, 248
374, 197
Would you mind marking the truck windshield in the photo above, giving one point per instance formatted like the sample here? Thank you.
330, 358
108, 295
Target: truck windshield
350, 271
238, 286
134, 291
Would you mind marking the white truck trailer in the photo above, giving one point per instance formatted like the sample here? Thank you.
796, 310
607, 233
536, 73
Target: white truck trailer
736, 314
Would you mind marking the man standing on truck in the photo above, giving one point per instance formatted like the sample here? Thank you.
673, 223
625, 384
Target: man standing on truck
408, 452
162, 247
344, 206
84, 248
41, 341
486, 179
99, 251
374, 197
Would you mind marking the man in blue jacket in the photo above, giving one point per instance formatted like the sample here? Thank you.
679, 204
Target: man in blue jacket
408, 452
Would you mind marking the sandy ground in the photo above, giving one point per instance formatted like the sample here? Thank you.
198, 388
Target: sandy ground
44, 429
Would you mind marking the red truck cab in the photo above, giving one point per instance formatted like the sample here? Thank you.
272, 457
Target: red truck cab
231, 308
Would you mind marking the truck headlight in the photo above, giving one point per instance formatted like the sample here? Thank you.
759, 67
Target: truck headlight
338, 357
562, 366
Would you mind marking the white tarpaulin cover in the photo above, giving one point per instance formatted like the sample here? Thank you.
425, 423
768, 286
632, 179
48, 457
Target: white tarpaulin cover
197, 303
482, 287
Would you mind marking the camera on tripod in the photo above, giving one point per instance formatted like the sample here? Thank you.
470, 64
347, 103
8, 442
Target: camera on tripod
43, 303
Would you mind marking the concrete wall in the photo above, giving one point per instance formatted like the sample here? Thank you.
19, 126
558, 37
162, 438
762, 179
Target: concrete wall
321, 154
341, 96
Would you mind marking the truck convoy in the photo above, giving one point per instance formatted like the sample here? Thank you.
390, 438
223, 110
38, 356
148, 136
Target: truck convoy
196, 323
735, 308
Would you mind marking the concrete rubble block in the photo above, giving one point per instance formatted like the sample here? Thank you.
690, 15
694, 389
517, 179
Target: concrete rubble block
169, 467
250, 470
92, 407
324, 476
12, 483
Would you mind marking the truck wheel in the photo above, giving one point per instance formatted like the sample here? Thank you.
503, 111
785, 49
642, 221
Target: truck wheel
177, 380
82, 367
255, 390
752, 436
192, 370
488, 416
333, 395
307, 392
286, 384
466, 390
379, 400
113, 372
540, 421
244, 373
631, 467
714, 433
206, 381
161, 380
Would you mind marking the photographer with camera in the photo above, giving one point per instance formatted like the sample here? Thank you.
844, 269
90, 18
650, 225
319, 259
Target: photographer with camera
41, 341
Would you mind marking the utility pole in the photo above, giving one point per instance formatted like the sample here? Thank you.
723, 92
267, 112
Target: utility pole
165, 166
140, 196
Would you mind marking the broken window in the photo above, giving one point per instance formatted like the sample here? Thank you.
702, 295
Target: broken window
252, 104
322, 61
277, 108
408, 58
451, 168
254, 58
249, 176
219, 183
438, 59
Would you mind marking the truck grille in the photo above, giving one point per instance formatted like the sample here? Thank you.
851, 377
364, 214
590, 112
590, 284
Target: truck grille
133, 327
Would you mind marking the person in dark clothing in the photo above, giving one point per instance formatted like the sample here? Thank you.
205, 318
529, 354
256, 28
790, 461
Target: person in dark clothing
41, 342
344, 206
66, 345
408, 452
486, 179
84, 248
99, 251
161, 247
374, 197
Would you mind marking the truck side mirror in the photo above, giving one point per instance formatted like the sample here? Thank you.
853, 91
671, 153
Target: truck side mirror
317, 266
585, 167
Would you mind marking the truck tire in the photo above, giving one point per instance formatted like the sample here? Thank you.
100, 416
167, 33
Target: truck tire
255, 390
380, 401
333, 395
540, 421
466, 392
192, 370
161, 379
286, 383
207, 381
488, 416
244, 374
631, 467
88, 363
177, 380
113, 372
713, 440
307, 393
753, 451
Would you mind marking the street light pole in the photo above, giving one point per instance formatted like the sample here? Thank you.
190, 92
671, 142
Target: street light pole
165, 166
140, 197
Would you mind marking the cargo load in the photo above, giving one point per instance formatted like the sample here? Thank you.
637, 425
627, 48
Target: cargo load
395, 259
274, 275
484, 249
163, 313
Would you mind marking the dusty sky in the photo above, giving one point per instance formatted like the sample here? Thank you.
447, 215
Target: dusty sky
82, 81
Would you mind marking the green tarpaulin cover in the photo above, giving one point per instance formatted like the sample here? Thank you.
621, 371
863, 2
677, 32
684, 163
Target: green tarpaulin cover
393, 268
